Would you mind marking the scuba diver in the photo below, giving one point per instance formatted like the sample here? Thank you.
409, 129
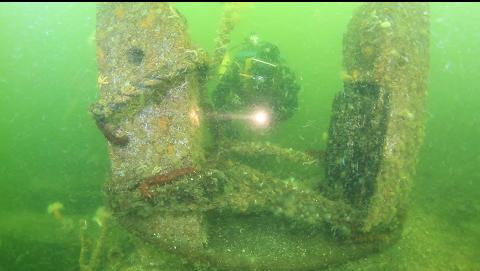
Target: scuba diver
256, 85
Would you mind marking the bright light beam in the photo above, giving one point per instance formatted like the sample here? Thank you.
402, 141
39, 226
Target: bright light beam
261, 118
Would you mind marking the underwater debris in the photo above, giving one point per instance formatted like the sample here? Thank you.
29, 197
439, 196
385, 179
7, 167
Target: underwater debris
200, 194
228, 21
102, 218
94, 261
255, 149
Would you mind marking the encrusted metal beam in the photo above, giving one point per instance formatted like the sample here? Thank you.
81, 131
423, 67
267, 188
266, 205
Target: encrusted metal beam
377, 120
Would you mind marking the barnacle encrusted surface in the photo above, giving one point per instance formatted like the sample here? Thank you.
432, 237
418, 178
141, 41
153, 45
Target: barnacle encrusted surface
152, 93
377, 120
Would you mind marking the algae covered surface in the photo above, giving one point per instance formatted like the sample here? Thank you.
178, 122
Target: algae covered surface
246, 136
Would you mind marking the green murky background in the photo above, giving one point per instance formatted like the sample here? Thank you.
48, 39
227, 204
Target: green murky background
51, 150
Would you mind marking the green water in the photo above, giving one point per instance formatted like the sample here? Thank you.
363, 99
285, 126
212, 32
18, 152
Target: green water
51, 150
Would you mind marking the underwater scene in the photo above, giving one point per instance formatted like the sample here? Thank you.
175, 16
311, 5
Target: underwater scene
239, 136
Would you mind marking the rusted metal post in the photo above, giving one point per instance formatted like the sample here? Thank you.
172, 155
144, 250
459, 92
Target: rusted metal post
148, 107
377, 121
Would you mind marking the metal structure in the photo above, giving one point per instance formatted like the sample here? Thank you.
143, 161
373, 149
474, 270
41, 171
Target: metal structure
232, 205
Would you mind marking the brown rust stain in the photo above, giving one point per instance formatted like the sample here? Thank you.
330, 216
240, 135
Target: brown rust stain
100, 57
170, 150
148, 21
147, 183
119, 13
164, 125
